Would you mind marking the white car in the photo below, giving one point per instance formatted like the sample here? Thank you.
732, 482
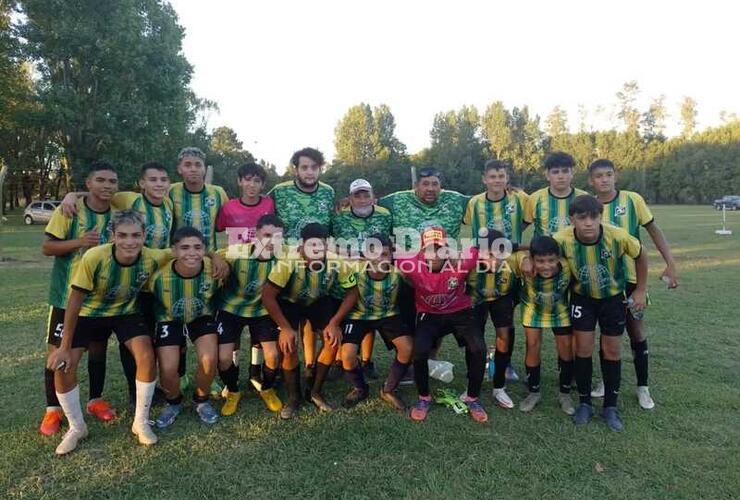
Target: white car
39, 212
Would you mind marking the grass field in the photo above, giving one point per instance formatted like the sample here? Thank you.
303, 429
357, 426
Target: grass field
688, 447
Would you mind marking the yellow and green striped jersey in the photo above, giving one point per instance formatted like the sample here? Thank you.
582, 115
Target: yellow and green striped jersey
547, 212
487, 285
112, 288
157, 218
297, 208
198, 210
61, 227
598, 268
377, 299
629, 211
303, 286
183, 299
545, 301
505, 214
242, 293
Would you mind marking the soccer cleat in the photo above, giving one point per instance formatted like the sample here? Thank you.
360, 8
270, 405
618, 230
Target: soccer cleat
52, 422
511, 374
216, 390
530, 402
610, 414
368, 367
144, 433
502, 399
476, 410
392, 399
566, 403
644, 398
583, 414
100, 409
70, 440
168, 415
320, 403
598, 391
355, 396
420, 410
271, 400
207, 413
451, 400
290, 410
231, 403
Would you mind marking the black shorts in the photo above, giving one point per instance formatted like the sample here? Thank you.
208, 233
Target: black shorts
610, 313
501, 312
318, 314
389, 328
55, 326
407, 305
430, 328
98, 329
146, 307
170, 333
230, 327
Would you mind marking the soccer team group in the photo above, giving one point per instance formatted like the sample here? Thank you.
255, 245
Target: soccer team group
307, 273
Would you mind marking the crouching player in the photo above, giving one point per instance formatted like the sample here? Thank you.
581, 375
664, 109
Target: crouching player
103, 299
378, 283
595, 252
442, 306
544, 298
241, 306
184, 292
297, 290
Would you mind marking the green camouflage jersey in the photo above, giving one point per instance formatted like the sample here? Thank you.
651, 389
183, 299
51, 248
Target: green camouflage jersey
351, 227
297, 208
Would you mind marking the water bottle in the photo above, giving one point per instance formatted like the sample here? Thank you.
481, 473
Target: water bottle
441, 370
635, 314
490, 363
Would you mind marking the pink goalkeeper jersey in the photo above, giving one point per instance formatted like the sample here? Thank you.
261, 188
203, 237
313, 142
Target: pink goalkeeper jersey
239, 220
442, 292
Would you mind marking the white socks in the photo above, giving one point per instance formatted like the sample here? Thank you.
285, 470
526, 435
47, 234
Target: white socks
70, 402
144, 394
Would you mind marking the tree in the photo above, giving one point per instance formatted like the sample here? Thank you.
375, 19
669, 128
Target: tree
628, 113
528, 143
653, 120
496, 127
226, 154
688, 117
366, 134
556, 123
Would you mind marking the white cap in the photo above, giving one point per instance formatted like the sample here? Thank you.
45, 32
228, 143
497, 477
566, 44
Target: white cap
359, 185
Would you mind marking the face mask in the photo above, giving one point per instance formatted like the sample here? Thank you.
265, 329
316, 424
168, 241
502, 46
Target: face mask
363, 211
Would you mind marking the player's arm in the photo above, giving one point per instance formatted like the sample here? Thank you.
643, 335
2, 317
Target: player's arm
661, 244
288, 336
639, 296
53, 247
333, 330
122, 200
62, 357
221, 268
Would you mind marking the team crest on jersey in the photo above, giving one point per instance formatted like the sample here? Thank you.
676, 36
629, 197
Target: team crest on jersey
142, 277
619, 211
605, 254
452, 283
323, 205
598, 273
210, 201
557, 222
204, 287
510, 208
251, 288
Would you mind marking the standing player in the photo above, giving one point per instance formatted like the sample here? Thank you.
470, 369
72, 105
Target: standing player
241, 306
629, 211
595, 252
352, 225
184, 291
67, 240
103, 299
297, 290
501, 209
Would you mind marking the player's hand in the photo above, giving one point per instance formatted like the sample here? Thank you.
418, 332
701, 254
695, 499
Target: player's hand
220, 267
60, 359
90, 239
639, 300
670, 276
69, 205
287, 340
527, 267
333, 335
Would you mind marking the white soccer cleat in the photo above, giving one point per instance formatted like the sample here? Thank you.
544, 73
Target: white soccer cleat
643, 397
70, 440
502, 399
566, 404
145, 434
598, 391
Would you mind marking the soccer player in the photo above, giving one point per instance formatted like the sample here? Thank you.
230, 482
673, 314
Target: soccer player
502, 209
297, 290
547, 209
239, 218
103, 299
438, 276
195, 203
628, 210
352, 225
67, 240
595, 252
492, 286
378, 283
184, 291
241, 306
545, 301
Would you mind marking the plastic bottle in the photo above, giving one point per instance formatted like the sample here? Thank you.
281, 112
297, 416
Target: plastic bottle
490, 364
638, 315
441, 370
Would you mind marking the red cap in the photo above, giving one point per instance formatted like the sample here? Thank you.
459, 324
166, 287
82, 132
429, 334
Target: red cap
433, 235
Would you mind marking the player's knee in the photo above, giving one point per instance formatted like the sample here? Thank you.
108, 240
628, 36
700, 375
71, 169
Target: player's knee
224, 363
208, 363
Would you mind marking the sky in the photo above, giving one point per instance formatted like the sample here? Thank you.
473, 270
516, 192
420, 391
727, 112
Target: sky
283, 73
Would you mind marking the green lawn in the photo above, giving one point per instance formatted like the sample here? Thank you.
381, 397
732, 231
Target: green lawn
689, 446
